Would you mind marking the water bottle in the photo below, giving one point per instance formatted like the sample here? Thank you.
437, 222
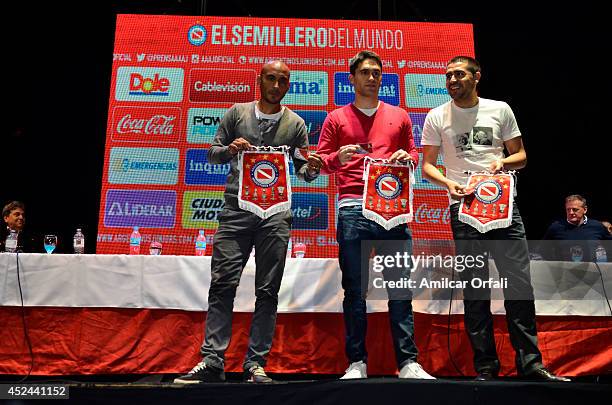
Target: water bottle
600, 254
135, 239
200, 245
289, 248
10, 244
78, 242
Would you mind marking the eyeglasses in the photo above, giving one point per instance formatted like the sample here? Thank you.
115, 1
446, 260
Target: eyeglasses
459, 74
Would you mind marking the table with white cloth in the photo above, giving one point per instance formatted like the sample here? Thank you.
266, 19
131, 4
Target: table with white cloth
106, 314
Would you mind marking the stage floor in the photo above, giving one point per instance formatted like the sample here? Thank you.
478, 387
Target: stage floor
157, 389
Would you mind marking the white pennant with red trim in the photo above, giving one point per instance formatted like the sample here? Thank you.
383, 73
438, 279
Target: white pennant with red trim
490, 206
264, 187
387, 193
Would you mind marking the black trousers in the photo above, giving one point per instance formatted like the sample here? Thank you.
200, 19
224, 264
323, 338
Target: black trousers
509, 249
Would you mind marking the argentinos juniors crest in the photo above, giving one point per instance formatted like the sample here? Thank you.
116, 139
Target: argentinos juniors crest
387, 193
264, 187
490, 206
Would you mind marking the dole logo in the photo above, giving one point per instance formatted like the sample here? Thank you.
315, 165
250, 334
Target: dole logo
141, 85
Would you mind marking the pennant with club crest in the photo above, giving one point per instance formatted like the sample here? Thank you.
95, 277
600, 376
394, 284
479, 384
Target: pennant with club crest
264, 186
387, 193
490, 206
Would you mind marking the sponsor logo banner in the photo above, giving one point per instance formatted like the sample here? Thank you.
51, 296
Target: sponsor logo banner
201, 209
202, 124
199, 171
309, 211
307, 88
314, 122
143, 166
418, 120
344, 91
149, 84
143, 208
425, 91
222, 85
146, 124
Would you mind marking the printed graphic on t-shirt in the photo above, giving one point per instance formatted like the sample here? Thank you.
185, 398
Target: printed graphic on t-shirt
482, 136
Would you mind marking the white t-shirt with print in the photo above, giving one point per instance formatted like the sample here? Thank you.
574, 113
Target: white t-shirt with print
470, 139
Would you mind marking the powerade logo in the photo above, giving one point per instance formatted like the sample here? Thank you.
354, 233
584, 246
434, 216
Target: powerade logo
307, 88
199, 171
420, 183
149, 84
143, 166
202, 124
201, 209
309, 211
425, 91
344, 91
197, 35
314, 123
418, 120
320, 181
143, 208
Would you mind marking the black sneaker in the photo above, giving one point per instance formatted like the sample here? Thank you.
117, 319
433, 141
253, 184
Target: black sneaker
199, 374
257, 375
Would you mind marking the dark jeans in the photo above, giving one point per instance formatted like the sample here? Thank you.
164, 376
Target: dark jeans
352, 229
238, 232
510, 253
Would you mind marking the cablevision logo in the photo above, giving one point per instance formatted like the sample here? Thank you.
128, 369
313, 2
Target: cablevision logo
344, 91
143, 166
202, 208
222, 85
149, 84
202, 124
425, 91
307, 88
143, 208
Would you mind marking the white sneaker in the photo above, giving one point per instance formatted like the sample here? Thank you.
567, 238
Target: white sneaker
414, 370
355, 370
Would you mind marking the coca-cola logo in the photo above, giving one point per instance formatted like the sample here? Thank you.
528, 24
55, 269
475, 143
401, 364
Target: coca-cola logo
156, 125
426, 214
146, 124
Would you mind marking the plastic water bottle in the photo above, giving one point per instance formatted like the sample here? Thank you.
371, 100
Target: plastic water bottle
600, 254
135, 239
200, 245
78, 242
290, 248
10, 244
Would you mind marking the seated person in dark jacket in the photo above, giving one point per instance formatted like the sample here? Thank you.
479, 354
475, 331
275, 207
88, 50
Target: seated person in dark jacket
579, 235
13, 215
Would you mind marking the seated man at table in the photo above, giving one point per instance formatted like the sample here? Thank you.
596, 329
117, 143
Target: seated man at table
577, 233
13, 215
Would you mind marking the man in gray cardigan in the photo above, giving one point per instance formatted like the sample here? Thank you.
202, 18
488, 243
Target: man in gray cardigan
259, 123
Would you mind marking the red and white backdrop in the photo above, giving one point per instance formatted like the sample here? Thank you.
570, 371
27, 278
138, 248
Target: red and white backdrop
174, 77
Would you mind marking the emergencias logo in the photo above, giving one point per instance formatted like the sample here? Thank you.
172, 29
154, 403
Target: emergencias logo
307, 88
149, 84
197, 35
202, 124
222, 85
146, 124
310, 211
314, 122
202, 208
344, 91
143, 166
425, 91
143, 208
199, 171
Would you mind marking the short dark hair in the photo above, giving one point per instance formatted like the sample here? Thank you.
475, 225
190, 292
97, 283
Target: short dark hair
356, 60
576, 197
473, 65
13, 205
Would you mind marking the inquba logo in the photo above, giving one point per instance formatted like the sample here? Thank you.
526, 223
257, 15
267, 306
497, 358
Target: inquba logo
344, 91
425, 91
149, 84
307, 88
222, 85
146, 124
199, 171
143, 208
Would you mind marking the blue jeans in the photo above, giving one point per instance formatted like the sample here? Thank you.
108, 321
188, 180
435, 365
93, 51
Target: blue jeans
352, 229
